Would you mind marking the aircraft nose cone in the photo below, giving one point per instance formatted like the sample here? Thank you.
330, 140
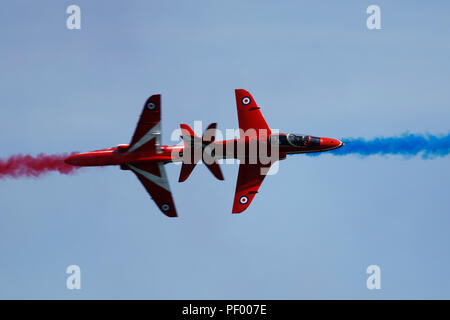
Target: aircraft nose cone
331, 143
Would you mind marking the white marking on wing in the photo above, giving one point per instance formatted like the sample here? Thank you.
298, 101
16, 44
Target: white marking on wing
160, 181
154, 132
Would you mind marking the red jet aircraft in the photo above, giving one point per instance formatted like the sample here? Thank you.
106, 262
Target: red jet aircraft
145, 156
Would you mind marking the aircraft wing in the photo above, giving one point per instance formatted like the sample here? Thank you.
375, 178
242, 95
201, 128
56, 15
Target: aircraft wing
154, 178
248, 182
147, 136
249, 114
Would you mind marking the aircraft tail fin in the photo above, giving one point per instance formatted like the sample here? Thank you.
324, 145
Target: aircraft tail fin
208, 138
194, 147
186, 170
191, 143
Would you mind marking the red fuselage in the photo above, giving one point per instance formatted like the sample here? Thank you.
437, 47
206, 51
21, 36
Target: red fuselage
171, 153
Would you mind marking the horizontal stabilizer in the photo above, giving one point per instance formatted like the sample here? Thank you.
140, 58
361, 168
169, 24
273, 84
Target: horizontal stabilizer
186, 170
194, 148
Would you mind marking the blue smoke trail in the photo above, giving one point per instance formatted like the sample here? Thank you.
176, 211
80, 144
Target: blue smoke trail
408, 145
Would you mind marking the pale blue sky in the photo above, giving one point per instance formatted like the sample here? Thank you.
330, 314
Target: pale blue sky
312, 66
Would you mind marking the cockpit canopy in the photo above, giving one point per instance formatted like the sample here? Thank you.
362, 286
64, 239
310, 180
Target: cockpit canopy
298, 140
294, 140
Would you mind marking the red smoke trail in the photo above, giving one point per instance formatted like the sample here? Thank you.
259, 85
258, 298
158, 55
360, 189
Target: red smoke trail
20, 165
